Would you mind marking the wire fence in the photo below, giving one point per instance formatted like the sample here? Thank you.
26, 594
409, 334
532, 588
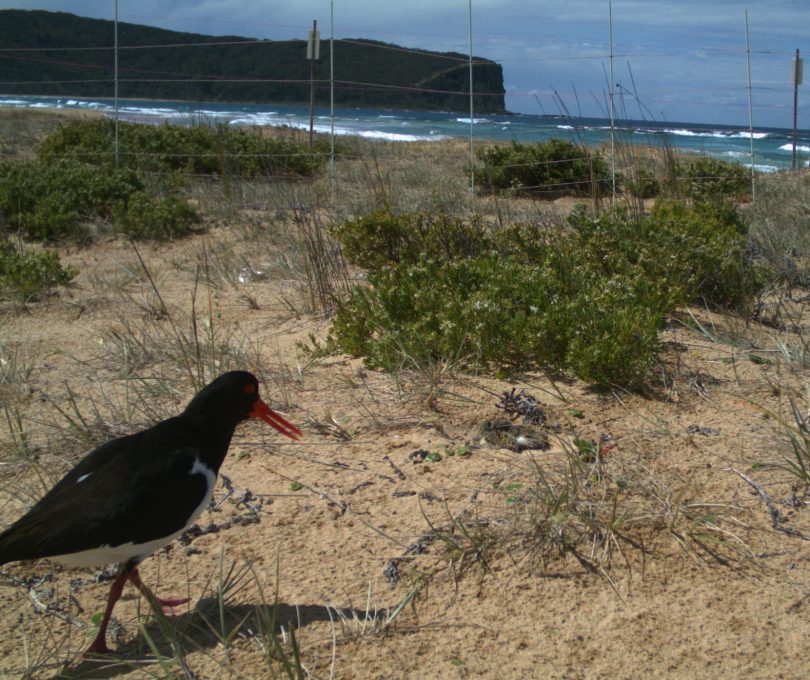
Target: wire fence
719, 59
560, 102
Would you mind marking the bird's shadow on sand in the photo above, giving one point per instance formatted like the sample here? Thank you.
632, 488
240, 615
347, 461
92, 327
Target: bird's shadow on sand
202, 628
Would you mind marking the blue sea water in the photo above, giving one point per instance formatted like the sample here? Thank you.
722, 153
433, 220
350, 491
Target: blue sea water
772, 146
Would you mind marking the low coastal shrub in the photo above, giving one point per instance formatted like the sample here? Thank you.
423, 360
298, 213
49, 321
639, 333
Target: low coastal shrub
546, 169
195, 149
698, 253
383, 237
50, 201
155, 218
589, 301
643, 183
496, 312
709, 179
58, 201
26, 276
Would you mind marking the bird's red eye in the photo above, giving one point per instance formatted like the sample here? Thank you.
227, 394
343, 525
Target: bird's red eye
249, 389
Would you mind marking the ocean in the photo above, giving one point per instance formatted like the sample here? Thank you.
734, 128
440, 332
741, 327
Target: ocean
772, 146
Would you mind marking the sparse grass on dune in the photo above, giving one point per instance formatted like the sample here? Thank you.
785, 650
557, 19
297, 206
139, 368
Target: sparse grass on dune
604, 512
390, 537
22, 129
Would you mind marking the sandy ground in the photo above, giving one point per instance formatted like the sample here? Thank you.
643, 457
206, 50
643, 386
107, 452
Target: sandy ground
706, 589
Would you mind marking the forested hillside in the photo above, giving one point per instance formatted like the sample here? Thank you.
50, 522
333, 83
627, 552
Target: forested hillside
160, 64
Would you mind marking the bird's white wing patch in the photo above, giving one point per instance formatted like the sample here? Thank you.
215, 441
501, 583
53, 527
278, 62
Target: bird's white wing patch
200, 468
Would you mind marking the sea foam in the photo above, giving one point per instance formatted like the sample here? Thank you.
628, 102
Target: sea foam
789, 147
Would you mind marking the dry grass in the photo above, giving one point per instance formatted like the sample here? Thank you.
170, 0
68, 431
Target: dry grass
22, 129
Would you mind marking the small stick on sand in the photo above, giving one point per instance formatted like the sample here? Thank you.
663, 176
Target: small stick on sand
773, 511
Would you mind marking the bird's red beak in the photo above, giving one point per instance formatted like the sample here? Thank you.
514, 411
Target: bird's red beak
263, 412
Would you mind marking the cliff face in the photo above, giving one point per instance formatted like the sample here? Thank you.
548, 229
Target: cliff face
367, 73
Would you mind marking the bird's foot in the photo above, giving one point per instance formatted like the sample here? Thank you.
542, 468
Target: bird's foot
97, 648
167, 605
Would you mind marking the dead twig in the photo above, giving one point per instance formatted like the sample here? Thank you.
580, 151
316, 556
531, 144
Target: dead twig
773, 511
398, 472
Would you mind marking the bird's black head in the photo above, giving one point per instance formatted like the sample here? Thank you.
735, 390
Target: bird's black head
234, 397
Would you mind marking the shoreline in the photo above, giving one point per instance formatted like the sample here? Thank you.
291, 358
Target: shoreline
724, 143
563, 120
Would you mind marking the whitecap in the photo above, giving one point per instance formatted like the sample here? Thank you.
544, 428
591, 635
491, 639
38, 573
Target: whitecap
394, 136
254, 120
145, 110
748, 135
763, 168
789, 147
684, 133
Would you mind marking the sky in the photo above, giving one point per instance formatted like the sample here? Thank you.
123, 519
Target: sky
673, 60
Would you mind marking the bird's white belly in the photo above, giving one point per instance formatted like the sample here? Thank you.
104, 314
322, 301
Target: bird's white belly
106, 554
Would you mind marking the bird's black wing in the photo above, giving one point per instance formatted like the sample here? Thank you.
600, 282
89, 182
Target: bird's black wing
135, 489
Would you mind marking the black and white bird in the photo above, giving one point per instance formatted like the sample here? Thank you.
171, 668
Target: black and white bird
134, 495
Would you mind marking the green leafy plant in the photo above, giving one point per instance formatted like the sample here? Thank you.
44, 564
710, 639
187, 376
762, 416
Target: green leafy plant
51, 201
25, 276
385, 238
60, 200
198, 149
461, 450
643, 184
546, 169
590, 301
711, 179
154, 218
689, 252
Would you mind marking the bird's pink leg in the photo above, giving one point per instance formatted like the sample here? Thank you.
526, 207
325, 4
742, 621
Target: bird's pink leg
99, 645
167, 605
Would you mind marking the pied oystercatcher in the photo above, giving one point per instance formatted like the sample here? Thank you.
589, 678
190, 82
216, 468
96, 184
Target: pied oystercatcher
135, 494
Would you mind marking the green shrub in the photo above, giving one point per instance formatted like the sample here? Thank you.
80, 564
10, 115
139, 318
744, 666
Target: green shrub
196, 149
590, 301
709, 179
643, 184
617, 319
693, 253
50, 201
145, 217
497, 312
438, 310
547, 169
28, 276
384, 238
